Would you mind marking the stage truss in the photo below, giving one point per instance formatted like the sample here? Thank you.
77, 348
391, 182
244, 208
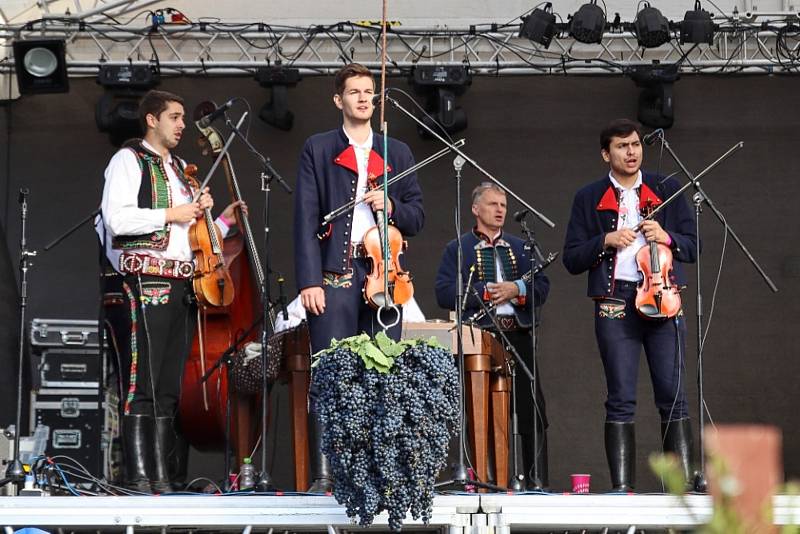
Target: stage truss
110, 33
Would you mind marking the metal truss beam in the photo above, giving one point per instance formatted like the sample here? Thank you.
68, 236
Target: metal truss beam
755, 45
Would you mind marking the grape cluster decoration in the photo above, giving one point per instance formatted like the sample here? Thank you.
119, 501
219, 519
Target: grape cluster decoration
388, 410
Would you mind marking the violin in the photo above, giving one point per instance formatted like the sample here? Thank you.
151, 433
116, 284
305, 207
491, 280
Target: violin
399, 281
212, 282
656, 297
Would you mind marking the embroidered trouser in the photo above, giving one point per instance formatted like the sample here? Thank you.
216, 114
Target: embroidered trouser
152, 321
621, 333
346, 313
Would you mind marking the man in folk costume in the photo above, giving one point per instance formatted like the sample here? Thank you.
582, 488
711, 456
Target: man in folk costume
601, 240
330, 262
500, 262
147, 212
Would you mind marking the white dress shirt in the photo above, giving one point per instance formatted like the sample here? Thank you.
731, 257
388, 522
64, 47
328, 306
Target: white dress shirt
121, 214
628, 217
363, 218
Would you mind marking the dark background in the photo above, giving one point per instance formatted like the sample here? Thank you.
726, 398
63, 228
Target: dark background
540, 136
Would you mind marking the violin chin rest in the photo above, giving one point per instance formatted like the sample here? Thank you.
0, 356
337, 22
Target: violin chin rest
648, 310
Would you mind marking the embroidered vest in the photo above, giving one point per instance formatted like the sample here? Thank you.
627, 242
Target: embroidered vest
154, 193
485, 261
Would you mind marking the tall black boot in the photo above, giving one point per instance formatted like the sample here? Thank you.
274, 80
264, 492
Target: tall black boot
677, 439
138, 437
164, 449
321, 476
621, 454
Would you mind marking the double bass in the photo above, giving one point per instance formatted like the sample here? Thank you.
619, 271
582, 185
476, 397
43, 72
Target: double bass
203, 404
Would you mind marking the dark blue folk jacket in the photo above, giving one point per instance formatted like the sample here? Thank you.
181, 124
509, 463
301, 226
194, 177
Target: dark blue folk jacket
594, 214
327, 178
515, 269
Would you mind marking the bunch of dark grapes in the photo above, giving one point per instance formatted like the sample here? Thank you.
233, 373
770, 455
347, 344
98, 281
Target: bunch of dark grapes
386, 435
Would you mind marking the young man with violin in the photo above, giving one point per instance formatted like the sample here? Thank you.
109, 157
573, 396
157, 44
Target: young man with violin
607, 228
331, 261
495, 264
148, 210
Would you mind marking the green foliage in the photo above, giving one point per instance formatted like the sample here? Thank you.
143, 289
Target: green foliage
378, 353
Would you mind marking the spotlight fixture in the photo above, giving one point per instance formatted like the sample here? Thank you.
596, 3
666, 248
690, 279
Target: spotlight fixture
278, 79
41, 66
656, 103
441, 85
697, 26
588, 23
652, 28
540, 25
117, 111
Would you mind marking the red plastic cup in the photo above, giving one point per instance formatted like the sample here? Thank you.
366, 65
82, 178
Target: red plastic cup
580, 482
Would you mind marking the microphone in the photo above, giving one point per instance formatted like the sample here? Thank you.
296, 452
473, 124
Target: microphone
376, 99
206, 120
468, 286
650, 138
23, 194
519, 215
282, 298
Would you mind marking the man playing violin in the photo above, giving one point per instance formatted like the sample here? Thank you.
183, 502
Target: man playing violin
148, 207
330, 261
602, 239
494, 263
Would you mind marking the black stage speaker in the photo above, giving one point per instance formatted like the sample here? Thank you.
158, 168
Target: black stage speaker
41, 66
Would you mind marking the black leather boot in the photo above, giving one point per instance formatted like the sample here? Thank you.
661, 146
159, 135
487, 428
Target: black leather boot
677, 439
321, 476
164, 447
138, 438
621, 454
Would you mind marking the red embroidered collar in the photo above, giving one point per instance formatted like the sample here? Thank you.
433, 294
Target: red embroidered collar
347, 159
610, 200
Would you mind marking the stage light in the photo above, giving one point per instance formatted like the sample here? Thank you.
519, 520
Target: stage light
697, 26
656, 102
588, 23
117, 111
278, 79
441, 85
652, 28
41, 66
540, 25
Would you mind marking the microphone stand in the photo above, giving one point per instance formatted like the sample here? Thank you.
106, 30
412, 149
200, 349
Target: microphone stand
516, 485
471, 161
459, 471
16, 472
268, 173
535, 257
700, 197
101, 315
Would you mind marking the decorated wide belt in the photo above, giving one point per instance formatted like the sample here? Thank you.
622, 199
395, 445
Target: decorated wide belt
507, 323
134, 263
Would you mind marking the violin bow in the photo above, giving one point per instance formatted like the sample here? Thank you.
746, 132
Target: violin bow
385, 185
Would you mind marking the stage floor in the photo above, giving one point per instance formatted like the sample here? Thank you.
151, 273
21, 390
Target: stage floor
466, 513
